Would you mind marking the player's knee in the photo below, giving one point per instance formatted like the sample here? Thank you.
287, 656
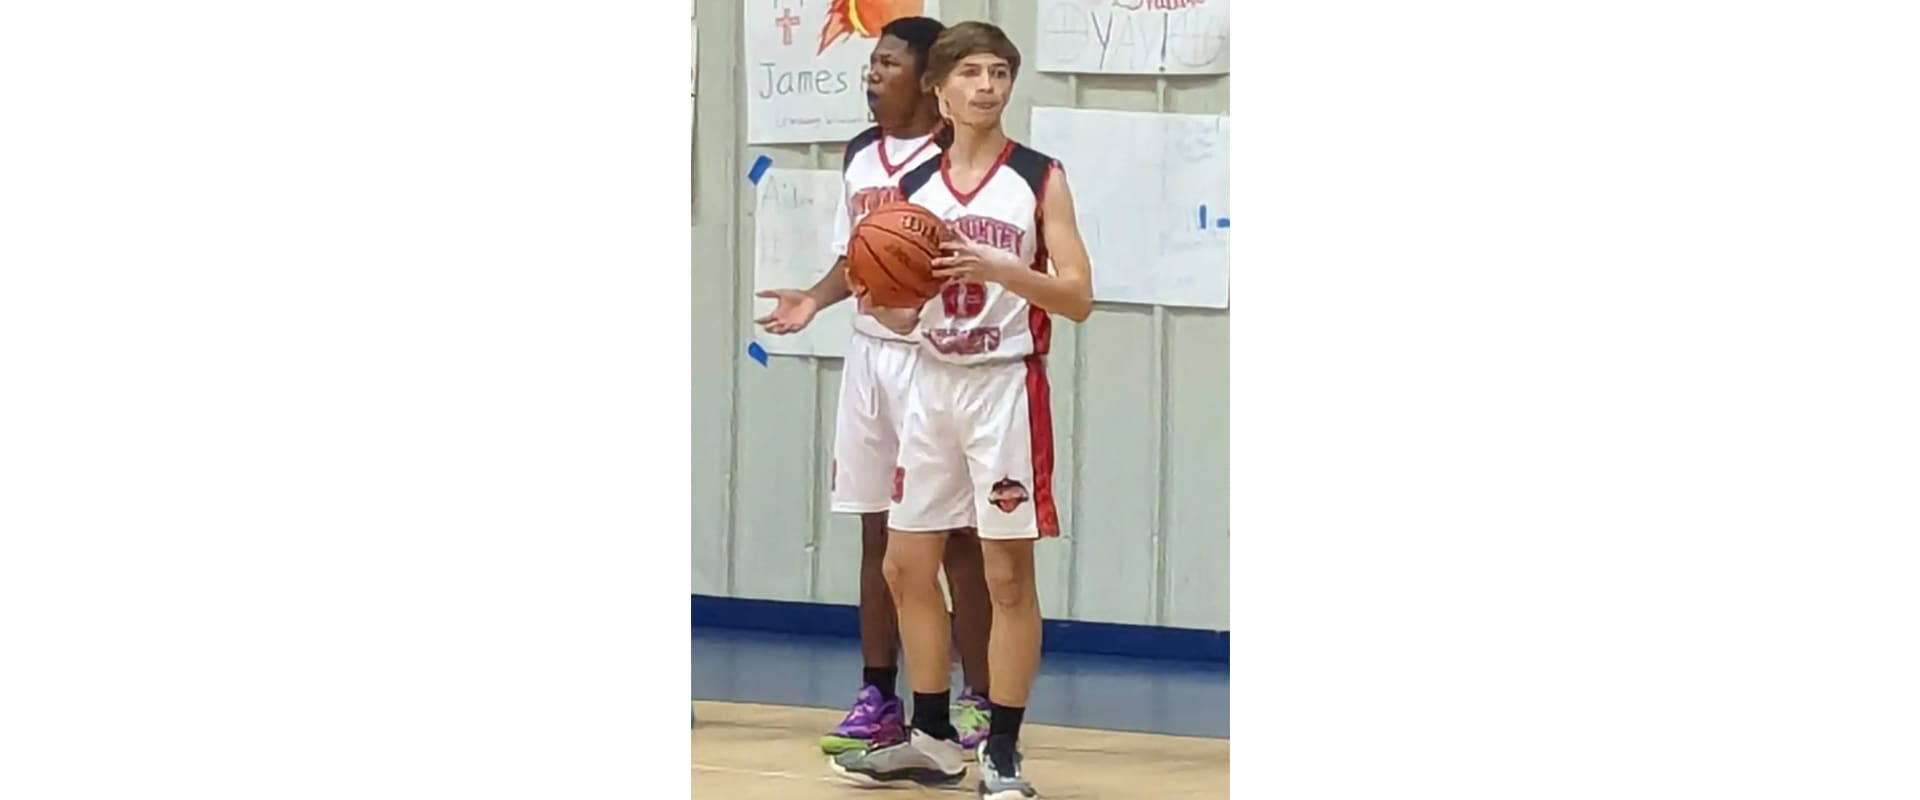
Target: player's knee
907, 571
1007, 584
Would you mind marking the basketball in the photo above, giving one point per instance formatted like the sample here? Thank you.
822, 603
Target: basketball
891, 253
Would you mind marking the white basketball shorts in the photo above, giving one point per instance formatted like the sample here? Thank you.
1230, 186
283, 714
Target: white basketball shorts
976, 450
874, 383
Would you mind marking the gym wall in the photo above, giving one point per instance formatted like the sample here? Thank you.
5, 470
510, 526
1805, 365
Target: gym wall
1139, 394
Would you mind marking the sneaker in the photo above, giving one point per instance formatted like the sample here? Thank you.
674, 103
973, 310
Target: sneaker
920, 759
972, 717
995, 785
872, 721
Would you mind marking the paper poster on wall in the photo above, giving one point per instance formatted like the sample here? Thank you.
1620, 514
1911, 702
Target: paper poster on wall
806, 65
1133, 37
1150, 194
792, 223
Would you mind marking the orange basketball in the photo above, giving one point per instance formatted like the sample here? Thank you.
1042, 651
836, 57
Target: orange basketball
890, 256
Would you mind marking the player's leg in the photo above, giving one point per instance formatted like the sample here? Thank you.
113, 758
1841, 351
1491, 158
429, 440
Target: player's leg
972, 621
932, 496
865, 442
1014, 653
1011, 461
877, 714
879, 625
913, 571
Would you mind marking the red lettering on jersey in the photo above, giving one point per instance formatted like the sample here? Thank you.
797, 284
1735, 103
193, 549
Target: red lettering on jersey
963, 300
967, 342
990, 232
870, 198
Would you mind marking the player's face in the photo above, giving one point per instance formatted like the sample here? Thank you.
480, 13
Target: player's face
893, 82
977, 90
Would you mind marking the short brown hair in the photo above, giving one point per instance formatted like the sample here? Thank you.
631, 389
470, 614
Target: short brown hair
969, 39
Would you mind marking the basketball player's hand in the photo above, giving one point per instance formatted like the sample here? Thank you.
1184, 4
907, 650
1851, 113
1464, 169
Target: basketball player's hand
792, 310
973, 262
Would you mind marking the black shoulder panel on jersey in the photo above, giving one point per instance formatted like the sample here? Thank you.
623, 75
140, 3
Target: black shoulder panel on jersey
860, 142
1032, 166
918, 176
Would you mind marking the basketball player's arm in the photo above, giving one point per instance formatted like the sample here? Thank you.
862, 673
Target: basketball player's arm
1069, 290
832, 287
794, 309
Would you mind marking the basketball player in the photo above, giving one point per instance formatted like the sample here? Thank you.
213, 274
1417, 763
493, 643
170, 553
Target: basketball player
977, 443
879, 364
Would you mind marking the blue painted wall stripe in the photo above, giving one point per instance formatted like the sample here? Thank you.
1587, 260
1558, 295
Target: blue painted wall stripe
1060, 636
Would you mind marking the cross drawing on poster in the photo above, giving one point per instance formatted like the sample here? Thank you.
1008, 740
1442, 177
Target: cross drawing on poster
806, 65
792, 249
1133, 37
1151, 203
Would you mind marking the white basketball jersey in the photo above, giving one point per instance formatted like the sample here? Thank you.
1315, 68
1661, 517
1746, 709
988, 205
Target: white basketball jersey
872, 169
972, 323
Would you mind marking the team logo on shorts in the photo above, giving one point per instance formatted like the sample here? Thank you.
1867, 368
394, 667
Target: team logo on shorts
1007, 495
899, 483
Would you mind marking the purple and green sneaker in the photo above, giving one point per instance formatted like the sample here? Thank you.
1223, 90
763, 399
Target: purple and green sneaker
973, 718
873, 721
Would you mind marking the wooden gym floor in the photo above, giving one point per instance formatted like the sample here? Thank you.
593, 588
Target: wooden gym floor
747, 751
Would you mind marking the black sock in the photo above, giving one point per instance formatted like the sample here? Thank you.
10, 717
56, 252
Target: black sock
881, 678
1002, 736
930, 715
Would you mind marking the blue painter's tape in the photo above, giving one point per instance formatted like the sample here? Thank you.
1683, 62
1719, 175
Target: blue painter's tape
760, 166
757, 353
1060, 636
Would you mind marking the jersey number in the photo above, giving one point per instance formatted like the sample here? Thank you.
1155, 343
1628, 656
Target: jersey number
963, 300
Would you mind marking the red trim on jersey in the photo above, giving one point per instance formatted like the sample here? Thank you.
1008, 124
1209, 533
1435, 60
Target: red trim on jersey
1039, 322
966, 198
1046, 515
889, 165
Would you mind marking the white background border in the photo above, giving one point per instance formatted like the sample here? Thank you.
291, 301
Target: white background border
1575, 445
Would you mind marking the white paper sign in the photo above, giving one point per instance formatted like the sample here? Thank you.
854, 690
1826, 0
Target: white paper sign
792, 225
1150, 195
1134, 37
806, 65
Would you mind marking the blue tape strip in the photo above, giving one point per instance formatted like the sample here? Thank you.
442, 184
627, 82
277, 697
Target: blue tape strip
757, 353
1221, 223
1060, 636
760, 166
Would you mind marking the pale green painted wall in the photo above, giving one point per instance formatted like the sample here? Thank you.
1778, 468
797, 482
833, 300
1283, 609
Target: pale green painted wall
1140, 394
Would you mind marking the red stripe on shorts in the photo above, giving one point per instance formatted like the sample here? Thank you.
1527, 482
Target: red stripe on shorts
1040, 427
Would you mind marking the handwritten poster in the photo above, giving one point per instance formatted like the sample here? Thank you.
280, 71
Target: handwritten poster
1133, 37
792, 223
1150, 194
806, 65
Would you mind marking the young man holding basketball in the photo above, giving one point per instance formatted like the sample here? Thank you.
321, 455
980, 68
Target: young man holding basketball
976, 447
880, 362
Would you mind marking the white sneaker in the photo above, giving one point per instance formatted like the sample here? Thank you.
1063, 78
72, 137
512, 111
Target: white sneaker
920, 759
996, 786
